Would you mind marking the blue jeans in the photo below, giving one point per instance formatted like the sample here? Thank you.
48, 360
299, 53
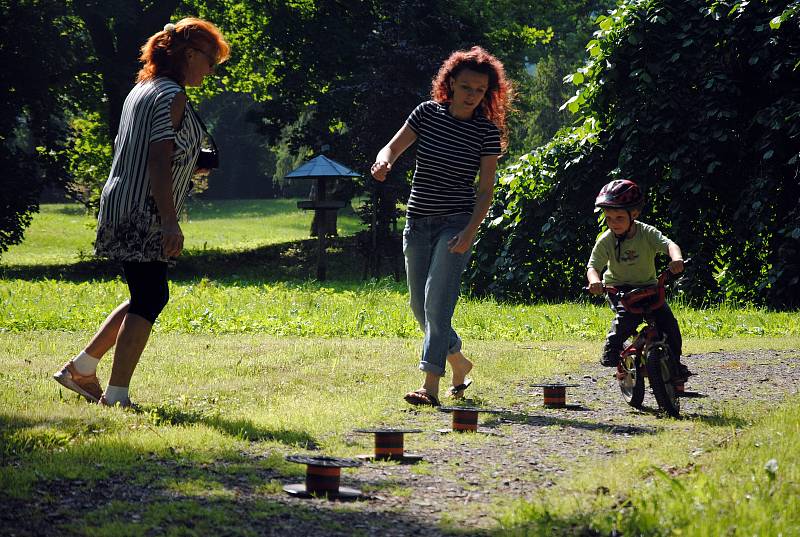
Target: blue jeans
434, 282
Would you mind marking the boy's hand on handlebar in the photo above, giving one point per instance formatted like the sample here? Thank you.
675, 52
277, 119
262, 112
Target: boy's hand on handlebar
676, 266
596, 288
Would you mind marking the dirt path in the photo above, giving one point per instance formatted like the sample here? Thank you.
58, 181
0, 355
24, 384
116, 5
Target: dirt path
530, 448
537, 444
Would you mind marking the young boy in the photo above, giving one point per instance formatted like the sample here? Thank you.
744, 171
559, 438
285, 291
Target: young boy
628, 249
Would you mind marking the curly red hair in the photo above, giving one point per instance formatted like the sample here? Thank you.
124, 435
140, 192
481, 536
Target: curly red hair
497, 101
163, 55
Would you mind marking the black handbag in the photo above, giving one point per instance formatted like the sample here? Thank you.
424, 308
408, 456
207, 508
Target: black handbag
208, 159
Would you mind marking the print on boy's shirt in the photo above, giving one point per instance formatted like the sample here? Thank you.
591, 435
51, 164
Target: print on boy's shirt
629, 256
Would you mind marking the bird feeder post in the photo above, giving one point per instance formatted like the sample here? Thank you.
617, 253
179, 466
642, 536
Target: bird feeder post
320, 169
322, 217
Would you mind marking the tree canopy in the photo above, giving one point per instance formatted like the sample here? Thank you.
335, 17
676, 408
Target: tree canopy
353, 97
31, 116
698, 101
350, 97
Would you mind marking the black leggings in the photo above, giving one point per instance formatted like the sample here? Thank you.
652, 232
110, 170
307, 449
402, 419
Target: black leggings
147, 282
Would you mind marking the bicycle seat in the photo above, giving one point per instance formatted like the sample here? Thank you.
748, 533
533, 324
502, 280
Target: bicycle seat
644, 299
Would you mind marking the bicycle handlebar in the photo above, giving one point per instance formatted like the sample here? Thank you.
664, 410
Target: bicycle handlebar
663, 278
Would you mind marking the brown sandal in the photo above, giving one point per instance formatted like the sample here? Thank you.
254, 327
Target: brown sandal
421, 398
457, 392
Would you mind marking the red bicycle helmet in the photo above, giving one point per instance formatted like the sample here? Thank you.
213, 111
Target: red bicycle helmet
619, 194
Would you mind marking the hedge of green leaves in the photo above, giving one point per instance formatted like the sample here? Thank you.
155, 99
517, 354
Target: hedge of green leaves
697, 101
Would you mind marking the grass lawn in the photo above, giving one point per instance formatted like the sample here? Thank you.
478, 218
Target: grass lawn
698, 480
245, 367
63, 233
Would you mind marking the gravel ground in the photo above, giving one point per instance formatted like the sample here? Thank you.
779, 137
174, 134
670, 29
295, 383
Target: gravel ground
517, 455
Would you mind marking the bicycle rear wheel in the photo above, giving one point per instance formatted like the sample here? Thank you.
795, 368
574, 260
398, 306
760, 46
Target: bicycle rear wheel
631, 381
660, 375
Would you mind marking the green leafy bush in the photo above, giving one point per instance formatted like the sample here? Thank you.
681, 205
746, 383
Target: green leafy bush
699, 103
88, 158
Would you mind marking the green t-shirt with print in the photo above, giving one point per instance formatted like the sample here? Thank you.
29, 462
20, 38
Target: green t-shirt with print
634, 263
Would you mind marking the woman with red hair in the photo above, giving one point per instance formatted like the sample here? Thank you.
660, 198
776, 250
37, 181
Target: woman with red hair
461, 133
155, 156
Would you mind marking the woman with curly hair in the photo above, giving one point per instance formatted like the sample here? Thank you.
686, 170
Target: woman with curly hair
461, 133
155, 157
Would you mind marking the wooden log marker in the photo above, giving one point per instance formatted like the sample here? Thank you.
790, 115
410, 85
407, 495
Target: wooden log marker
322, 478
465, 418
555, 394
389, 445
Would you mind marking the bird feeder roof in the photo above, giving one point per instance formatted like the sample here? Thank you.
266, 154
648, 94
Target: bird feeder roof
321, 166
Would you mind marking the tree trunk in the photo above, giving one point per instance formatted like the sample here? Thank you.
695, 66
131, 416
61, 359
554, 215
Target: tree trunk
118, 30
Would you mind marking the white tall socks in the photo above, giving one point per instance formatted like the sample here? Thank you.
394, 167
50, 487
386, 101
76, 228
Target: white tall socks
116, 394
86, 364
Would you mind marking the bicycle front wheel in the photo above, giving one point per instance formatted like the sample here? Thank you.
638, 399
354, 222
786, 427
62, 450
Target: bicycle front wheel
660, 375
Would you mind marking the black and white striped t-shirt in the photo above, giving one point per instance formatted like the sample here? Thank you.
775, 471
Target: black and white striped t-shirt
128, 225
449, 152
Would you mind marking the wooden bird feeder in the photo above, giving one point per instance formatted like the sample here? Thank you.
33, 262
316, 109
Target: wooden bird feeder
321, 169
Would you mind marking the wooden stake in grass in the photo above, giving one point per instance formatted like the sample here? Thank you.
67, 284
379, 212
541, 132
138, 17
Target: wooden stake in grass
555, 394
465, 418
389, 445
322, 478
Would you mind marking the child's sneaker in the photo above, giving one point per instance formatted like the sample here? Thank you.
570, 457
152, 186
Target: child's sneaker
683, 373
609, 360
610, 357
86, 385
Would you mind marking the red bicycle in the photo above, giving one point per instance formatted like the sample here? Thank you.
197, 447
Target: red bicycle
648, 354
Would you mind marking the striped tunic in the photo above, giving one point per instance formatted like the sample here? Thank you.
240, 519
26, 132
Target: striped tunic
128, 226
449, 154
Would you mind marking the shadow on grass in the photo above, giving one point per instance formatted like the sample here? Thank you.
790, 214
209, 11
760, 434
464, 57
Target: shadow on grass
541, 521
715, 420
164, 495
22, 436
200, 209
75, 209
239, 428
719, 420
544, 421
288, 261
281, 209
